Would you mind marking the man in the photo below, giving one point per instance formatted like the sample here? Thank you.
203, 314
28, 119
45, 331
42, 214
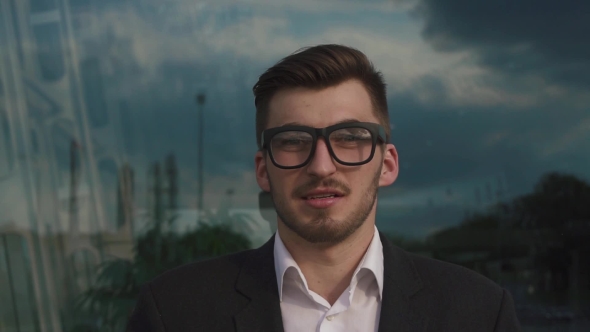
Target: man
323, 134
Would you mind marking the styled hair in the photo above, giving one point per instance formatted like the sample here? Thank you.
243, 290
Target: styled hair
317, 68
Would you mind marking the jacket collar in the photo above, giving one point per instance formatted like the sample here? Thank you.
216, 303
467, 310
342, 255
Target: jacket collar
401, 282
257, 281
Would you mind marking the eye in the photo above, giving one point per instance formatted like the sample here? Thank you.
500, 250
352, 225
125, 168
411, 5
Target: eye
351, 138
291, 141
346, 137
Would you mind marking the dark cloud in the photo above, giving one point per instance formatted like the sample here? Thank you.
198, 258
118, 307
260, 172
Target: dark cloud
518, 37
444, 143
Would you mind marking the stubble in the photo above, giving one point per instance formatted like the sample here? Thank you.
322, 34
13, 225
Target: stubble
322, 228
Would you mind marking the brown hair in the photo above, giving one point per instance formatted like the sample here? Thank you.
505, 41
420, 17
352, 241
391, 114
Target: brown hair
320, 67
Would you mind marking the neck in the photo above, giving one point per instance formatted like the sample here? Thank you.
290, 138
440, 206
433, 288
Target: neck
328, 269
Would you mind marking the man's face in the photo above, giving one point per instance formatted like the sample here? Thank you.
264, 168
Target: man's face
325, 220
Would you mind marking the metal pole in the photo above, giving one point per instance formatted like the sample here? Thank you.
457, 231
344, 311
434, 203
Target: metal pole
10, 281
73, 208
200, 102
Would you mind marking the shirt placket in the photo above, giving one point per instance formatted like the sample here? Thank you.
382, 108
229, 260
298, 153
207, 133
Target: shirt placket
332, 319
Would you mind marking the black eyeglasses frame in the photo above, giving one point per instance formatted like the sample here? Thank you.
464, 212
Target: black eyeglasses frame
377, 133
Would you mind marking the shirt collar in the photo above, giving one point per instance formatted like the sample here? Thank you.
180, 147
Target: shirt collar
283, 261
372, 261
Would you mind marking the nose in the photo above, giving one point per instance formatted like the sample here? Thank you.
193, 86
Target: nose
321, 164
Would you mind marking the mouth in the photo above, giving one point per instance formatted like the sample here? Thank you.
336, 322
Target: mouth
321, 193
322, 198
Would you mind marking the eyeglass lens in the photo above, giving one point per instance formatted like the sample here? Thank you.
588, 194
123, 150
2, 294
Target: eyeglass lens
350, 145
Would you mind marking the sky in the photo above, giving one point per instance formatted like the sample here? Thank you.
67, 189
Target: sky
481, 93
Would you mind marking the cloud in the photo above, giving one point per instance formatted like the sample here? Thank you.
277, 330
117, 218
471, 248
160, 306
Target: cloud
257, 39
249, 42
530, 40
182, 7
572, 139
447, 142
454, 114
333, 6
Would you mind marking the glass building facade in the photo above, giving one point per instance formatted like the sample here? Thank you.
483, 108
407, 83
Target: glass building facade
127, 140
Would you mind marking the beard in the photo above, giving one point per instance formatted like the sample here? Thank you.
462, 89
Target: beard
322, 228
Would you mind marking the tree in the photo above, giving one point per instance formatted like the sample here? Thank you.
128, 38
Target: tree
110, 300
556, 199
558, 202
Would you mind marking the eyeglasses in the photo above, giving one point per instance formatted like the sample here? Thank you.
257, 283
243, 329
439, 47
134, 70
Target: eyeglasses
350, 144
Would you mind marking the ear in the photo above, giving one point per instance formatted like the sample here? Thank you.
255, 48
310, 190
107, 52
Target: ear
390, 167
261, 171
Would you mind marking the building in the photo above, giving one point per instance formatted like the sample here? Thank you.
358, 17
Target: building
57, 169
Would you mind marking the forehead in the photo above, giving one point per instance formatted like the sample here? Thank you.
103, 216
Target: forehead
321, 108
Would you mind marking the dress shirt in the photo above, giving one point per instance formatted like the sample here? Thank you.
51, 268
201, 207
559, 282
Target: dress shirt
357, 309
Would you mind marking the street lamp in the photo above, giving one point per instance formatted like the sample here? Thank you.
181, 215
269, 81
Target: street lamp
200, 99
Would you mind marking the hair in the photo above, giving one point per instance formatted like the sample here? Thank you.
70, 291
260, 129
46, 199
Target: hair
317, 68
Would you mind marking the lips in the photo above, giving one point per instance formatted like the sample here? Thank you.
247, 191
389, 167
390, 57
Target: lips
322, 194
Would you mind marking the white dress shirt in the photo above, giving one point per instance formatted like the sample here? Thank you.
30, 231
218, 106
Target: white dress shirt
357, 309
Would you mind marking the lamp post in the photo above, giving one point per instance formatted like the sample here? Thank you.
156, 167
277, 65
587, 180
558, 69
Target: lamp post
200, 99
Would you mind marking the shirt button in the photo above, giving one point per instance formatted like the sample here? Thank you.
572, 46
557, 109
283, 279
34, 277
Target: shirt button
330, 318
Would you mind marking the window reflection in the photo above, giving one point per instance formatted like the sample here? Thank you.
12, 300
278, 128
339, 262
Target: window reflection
108, 178
42, 5
125, 196
37, 160
34, 142
18, 309
62, 136
17, 31
80, 4
40, 103
45, 18
49, 51
6, 153
83, 265
93, 92
128, 126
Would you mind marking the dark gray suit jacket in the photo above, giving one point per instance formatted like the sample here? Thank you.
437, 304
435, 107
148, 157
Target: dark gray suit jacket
239, 293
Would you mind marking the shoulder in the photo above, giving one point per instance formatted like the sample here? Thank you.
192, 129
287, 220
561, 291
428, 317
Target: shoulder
213, 279
459, 299
455, 296
436, 279
202, 277
444, 277
199, 296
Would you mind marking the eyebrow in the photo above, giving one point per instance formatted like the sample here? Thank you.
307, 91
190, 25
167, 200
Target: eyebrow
295, 123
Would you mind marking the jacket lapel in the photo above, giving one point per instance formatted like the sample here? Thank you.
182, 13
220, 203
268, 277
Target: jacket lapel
400, 282
257, 281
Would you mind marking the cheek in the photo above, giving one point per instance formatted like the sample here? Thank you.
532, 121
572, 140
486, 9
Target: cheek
280, 182
360, 186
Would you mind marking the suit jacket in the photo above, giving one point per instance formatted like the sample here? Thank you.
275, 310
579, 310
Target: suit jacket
239, 293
